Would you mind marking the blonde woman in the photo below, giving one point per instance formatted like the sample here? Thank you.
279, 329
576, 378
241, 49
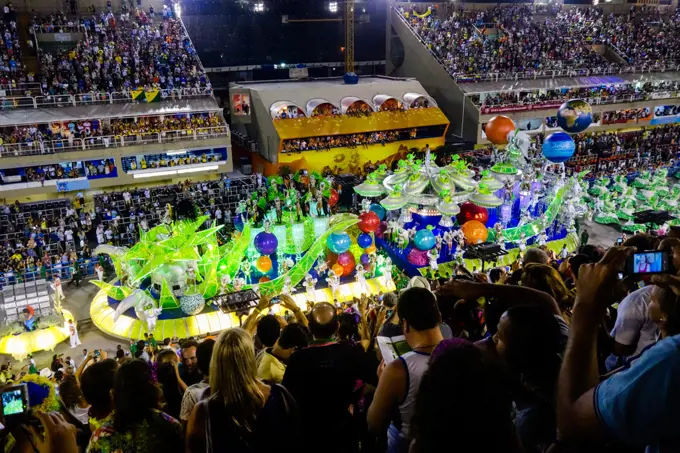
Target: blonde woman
242, 413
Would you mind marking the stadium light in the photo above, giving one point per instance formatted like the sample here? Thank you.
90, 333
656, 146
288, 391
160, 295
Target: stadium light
333, 7
258, 7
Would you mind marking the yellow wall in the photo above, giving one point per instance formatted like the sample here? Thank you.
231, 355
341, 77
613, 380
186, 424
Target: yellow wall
378, 121
350, 159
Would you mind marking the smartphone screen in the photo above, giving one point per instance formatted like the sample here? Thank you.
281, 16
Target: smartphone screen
619, 241
15, 400
649, 263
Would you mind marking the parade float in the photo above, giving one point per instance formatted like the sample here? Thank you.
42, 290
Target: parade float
434, 214
174, 282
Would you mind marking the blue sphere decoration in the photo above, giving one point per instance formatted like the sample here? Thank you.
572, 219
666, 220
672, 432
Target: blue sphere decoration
238, 222
575, 116
424, 239
364, 240
265, 243
558, 147
379, 210
338, 243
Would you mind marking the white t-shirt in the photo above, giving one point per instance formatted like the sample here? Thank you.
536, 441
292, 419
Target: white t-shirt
633, 324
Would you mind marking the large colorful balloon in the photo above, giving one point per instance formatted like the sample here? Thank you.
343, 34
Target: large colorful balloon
265, 243
475, 232
424, 239
263, 264
364, 240
346, 260
370, 249
238, 222
575, 116
498, 128
338, 270
558, 147
417, 257
369, 222
365, 259
470, 211
379, 210
333, 198
338, 242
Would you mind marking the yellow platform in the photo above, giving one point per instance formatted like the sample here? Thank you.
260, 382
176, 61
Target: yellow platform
19, 346
206, 323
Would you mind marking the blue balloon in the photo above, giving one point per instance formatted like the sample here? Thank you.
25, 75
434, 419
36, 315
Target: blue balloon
424, 239
364, 240
238, 222
265, 243
338, 243
558, 147
379, 210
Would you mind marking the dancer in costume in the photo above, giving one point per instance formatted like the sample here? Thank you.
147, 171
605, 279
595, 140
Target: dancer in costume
73, 334
310, 287
360, 277
333, 283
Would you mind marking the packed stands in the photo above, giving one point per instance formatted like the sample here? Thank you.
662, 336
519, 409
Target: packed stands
90, 134
523, 41
121, 55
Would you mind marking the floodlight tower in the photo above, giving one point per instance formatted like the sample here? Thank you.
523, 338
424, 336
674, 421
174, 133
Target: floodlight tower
349, 36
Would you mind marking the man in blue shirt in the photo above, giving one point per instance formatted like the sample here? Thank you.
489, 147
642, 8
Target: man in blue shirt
639, 406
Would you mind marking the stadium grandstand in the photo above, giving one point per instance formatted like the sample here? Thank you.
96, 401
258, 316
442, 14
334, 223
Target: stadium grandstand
524, 61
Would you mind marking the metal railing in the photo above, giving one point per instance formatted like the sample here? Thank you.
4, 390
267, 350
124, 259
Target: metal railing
110, 141
553, 103
97, 98
56, 28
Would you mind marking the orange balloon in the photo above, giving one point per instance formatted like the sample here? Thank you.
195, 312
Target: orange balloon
338, 269
498, 128
370, 249
264, 264
475, 232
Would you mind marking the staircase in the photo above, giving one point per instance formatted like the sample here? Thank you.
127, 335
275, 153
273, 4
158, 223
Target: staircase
29, 55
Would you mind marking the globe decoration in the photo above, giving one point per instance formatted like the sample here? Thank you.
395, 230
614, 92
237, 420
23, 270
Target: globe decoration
338, 243
364, 240
470, 211
558, 147
263, 264
379, 210
475, 232
192, 304
575, 116
368, 222
424, 239
498, 128
265, 243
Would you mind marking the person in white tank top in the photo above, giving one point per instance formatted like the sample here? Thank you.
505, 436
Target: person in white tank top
399, 379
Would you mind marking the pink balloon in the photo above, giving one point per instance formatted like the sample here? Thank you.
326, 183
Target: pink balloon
381, 229
417, 257
345, 258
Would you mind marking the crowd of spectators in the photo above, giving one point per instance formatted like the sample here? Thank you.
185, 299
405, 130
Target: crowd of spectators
12, 68
525, 40
550, 353
124, 55
41, 240
523, 44
340, 141
157, 124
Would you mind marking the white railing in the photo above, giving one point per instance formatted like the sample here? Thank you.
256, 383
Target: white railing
552, 104
97, 98
63, 28
110, 141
